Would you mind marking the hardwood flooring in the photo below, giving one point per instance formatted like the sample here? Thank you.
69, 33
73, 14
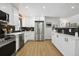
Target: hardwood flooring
39, 48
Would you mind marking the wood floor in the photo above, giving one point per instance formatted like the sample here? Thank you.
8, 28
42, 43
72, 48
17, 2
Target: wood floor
39, 48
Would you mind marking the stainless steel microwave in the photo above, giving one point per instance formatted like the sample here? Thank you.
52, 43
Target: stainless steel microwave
4, 16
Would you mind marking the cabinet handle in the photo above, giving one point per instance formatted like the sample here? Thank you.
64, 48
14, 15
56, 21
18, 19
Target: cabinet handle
66, 39
57, 36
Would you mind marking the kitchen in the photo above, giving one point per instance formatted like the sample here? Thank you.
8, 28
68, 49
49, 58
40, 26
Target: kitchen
22, 22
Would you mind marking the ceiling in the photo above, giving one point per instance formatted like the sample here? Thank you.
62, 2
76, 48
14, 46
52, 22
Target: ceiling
48, 9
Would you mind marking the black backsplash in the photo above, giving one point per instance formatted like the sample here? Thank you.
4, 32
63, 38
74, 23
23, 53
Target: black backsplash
28, 28
66, 30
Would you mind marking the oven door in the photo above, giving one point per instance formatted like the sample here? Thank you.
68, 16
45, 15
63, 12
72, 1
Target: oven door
8, 49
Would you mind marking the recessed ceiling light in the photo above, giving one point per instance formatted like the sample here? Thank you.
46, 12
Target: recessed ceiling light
44, 7
26, 7
72, 7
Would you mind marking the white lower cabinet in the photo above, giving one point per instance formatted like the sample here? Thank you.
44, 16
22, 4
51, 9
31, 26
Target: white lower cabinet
25, 37
68, 45
30, 35
17, 42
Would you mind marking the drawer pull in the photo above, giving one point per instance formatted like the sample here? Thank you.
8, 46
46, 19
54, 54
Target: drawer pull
57, 36
66, 39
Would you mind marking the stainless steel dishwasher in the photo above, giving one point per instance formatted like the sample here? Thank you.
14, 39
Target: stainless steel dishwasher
21, 40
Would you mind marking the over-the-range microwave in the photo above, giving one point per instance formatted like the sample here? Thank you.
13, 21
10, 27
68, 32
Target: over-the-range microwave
4, 16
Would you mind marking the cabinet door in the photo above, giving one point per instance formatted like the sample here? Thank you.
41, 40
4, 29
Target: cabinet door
57, 41
64, 43
71, 46
54, 39
77, 46
60, 43
68, 46
30, 35
17, 42
25, 37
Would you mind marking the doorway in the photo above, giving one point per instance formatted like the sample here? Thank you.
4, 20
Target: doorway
39, 30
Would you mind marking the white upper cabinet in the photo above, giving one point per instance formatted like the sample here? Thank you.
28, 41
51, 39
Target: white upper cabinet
7, 8
13, 14
16, 19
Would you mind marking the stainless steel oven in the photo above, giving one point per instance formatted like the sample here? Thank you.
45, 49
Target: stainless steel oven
8, 46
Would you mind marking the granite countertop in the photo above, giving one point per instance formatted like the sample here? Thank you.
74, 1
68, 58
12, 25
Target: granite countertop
67, 35
15, 33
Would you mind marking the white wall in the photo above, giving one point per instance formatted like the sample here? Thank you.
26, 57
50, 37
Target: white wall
8, 9
53, 21
13, 14
16, 19
29, 21
63, 22
72, 19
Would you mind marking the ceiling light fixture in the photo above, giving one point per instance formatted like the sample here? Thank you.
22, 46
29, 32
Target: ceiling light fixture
26, 7
44, 7
72, 7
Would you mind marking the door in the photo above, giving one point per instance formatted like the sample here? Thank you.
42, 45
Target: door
39, 30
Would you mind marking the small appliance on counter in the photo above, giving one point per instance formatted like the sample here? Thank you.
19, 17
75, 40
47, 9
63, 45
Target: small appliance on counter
5, 29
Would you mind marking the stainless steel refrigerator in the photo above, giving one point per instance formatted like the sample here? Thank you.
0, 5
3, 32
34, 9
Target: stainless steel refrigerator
39, 30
